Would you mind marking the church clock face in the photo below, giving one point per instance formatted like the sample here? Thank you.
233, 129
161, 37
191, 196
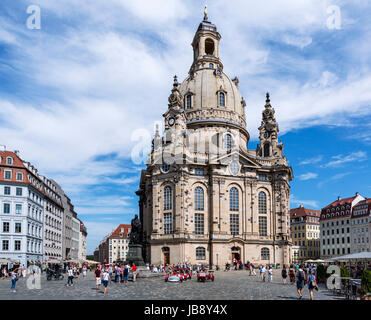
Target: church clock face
234, 167
171, 121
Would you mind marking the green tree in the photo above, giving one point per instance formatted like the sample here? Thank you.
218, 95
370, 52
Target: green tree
366, 281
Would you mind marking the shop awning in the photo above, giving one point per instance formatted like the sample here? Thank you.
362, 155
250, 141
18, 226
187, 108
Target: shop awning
354, 256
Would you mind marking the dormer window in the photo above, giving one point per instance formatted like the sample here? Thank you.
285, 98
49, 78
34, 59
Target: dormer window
9, 160
188, 101
221, 99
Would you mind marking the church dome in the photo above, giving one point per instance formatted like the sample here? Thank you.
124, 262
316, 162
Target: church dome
209, 88
209, 95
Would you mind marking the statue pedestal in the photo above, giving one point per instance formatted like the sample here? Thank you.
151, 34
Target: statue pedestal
135, 254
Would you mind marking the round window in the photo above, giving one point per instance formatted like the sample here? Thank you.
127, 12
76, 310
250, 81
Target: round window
165, 167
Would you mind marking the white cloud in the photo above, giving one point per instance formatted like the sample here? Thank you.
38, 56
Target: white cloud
339, 160
313, 160
310, 203
308, 176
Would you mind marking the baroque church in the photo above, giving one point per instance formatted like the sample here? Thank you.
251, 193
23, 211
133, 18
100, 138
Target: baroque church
204, 196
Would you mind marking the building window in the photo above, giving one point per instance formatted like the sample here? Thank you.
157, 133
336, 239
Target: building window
211, 65
199, 171
234, 221
7, 191
18, 227
262, 177
18, 208
5, 226
19, 176
199, 198
9, 160
228, 142
165, 167
188, 101
200, 253
7, 175
19, 191
266, 150
5, 245
199, 223
168, 223
233, 199
6, 208
262, 226
265, 254
221, 99
17, 245
262, 202
168, 201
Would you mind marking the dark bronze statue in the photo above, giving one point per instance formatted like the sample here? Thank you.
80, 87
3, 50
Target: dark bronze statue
136, 231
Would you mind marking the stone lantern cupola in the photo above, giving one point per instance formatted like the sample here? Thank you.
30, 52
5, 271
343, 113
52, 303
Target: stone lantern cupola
206, 46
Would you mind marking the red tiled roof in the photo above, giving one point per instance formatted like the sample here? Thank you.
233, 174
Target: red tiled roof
17, 166
117, 232
302, 212
340, 202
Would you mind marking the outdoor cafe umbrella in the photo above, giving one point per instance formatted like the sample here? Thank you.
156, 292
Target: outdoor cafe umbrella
310, 261
354, 256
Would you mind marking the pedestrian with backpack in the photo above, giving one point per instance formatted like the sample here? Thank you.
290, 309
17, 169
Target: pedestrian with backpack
300, 277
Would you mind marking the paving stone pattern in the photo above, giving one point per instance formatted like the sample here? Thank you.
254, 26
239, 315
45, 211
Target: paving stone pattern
231, 285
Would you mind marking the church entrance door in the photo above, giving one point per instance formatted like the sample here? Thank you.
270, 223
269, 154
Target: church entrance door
166, 254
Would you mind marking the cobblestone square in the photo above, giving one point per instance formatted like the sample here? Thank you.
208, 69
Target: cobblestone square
232, 285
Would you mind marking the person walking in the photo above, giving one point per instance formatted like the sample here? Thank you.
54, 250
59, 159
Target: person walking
311, 280
300, 276
97, 277
105, 278
134, 268
263, 273
292, 274
270, 273
110, 269
284, 274
14, 279
126, 274
70, 277
84, 269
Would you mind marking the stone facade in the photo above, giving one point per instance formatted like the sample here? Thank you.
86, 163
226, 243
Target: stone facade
204, 196
336, 227
305, 234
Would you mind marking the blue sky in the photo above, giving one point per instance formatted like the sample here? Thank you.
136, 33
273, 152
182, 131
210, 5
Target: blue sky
73, 92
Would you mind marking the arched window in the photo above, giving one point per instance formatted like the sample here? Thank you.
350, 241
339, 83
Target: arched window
227, 142
168, 201
188, 101
221, 99
200, 253
199, 198
262, 202
265, 254
233, 199
209, 46
266, 150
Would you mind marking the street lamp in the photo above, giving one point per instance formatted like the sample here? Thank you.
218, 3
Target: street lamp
217, 260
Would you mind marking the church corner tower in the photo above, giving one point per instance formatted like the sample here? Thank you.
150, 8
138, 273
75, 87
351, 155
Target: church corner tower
204, 196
